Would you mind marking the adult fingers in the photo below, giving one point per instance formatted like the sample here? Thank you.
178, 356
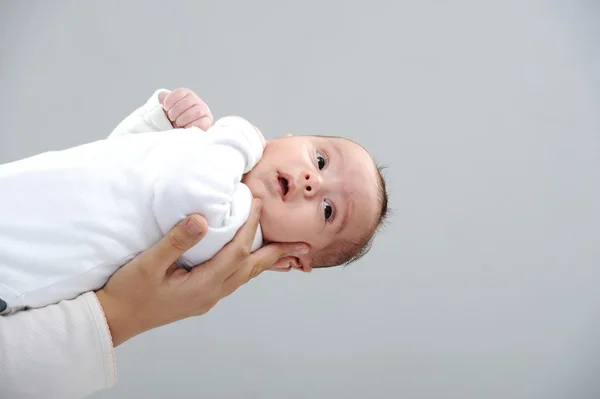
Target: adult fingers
194, 111
260, 261
276, 255
284, 270
187, 233
285, 263
282, 265
232, 256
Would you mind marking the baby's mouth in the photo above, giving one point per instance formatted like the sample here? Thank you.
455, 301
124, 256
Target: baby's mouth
283, 184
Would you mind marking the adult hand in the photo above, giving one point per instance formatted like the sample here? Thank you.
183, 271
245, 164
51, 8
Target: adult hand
151, 291
185, 109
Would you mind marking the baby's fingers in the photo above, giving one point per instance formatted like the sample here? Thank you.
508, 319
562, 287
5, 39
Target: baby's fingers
197, 114
180, 108
161, 98
174, 97
203, 123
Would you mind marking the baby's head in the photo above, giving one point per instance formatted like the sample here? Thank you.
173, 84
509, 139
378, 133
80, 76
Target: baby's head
324, 191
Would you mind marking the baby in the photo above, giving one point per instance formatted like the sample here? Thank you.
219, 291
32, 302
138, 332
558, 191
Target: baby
69, 219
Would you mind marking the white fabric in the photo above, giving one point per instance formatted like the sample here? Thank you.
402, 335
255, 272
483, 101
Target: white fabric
61, 351
69, 219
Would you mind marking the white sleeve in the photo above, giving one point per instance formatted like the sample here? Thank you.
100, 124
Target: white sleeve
150, 117
204, 181
59, 351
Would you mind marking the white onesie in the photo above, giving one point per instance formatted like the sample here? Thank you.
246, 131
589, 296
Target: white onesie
69, 219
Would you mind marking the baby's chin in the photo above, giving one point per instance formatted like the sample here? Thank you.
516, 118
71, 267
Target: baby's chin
272, 224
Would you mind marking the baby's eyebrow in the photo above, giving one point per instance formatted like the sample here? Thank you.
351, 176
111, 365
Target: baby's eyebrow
339, 154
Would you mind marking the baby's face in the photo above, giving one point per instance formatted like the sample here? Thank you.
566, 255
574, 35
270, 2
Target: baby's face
318, 190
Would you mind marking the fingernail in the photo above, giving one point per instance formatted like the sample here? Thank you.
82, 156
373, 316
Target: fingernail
194, 227
257, 206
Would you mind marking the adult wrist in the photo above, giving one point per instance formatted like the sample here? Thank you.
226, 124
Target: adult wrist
121, 325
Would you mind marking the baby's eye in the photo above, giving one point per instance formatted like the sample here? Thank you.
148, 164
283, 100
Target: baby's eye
320, 161
328, 210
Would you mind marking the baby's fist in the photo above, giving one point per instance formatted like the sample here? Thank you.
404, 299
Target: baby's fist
185, 109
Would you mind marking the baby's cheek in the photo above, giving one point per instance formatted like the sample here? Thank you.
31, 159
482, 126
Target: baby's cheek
273, 228
284, 228
291, 222
291, 231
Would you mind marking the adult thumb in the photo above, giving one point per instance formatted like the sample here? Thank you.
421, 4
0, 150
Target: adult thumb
175, 243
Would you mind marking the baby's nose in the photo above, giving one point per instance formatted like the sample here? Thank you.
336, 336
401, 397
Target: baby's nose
312, 183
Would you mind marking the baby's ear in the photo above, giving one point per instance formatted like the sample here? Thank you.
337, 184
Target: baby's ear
291, 262
303, 264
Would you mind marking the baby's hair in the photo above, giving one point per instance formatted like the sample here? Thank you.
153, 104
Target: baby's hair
351, 251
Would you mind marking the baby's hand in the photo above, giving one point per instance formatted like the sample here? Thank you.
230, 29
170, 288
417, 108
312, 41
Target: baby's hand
185, 109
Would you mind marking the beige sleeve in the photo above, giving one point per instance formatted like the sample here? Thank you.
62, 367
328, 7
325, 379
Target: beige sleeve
59, 351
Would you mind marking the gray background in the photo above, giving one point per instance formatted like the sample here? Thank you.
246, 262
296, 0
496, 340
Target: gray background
484, 284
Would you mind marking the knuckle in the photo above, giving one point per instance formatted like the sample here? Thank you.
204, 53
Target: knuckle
145, 274
254, 271
202, 105
244, 251
178, 94
177, 241
210, 277
174, 94
214, 301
